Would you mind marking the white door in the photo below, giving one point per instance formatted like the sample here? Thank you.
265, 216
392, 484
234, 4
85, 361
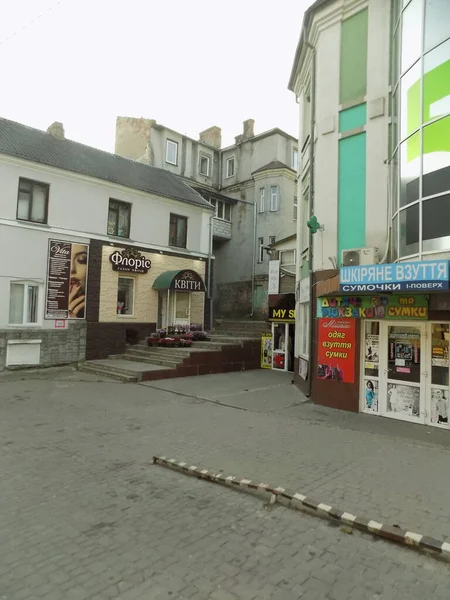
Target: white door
437, 389
403, 373
182, 308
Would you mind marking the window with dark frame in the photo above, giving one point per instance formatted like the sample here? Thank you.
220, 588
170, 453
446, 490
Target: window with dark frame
260, 250
295, 211
32, 201
119, 218
204, 164
178, 231
125, 296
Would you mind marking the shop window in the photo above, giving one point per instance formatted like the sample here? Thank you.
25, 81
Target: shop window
178, 231
437, 18
411, 33
435, 222
436, 157
23, 304
32, 201
371, 366
440, 338
119, 217
125, 296
409, 230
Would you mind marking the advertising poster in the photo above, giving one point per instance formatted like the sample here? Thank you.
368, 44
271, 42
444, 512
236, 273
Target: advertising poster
371, 395
439, 407
266, 351
373, 307
404, 400
336, 350
66, 280
372, 351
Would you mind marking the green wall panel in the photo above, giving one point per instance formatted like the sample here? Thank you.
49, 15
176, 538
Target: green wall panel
352, 193
353, 61
352, 117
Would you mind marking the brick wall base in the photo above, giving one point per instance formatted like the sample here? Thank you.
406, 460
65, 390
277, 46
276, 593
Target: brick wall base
104, 339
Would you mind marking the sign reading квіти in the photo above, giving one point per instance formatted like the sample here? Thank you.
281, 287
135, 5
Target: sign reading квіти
412, 276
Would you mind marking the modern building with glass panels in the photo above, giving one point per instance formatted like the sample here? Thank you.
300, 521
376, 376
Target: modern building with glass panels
372, 81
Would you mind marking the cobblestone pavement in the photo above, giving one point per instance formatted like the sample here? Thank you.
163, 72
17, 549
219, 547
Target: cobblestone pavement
84, 514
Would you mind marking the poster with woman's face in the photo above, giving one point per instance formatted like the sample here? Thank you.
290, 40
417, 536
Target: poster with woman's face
439, 407
403, 400
66, 280
371, 395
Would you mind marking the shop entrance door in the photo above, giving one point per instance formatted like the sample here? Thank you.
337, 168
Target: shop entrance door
182, 308
403, 371
438, 389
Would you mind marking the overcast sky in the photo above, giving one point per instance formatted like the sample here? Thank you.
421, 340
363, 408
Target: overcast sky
189, 64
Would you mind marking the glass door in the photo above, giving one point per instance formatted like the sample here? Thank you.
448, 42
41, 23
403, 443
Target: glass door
404, 380
370, 368
438, 392
182, 306
280, 337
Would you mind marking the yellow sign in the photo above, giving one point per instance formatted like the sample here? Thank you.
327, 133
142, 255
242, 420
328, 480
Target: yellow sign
266, 351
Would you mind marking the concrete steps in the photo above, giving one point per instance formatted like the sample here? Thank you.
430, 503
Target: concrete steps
163, 361
120, 370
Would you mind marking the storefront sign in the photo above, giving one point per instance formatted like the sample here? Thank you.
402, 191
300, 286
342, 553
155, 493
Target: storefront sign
130, 261
282, 308
66, 280
266, 351
336, 350
305, 290
373, 307
411, 276
274, 277
188, 281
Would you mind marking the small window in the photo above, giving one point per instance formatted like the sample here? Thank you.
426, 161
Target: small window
32, 201
219, 209
230, 166
172, 152
125, 296
295, 207
287, 257
178, 231
272, 240
204, 165
119, 217
227, 212
260, 250
23, 304
295, 159
274, 198
262, 200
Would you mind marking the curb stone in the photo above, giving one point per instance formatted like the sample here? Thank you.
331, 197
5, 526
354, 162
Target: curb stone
297, 500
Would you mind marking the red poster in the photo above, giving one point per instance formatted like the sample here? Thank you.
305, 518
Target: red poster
336, 350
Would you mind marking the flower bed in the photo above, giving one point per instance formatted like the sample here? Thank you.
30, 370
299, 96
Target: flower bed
177, 336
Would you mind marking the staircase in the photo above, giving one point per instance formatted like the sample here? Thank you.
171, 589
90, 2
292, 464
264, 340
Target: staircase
233, 346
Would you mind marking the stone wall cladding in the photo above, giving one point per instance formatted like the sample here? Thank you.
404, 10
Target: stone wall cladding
58, 347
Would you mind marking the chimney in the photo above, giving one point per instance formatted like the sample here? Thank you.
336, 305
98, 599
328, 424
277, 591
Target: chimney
56, 130
212, 137
249, 129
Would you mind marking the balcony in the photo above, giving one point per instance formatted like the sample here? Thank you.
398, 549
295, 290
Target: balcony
221, 229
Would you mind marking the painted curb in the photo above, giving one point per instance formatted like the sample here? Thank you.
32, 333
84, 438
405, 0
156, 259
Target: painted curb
388, 532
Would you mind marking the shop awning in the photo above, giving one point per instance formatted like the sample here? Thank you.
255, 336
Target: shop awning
185, 280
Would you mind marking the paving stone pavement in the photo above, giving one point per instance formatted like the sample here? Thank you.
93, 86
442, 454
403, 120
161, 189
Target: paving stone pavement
85, 515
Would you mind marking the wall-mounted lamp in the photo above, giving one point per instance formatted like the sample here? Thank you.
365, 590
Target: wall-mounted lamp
269, 250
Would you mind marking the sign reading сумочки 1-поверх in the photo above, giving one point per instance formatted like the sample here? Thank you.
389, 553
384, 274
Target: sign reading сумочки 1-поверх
430, 275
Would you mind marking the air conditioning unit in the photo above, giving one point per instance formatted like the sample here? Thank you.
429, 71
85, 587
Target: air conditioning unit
359, 256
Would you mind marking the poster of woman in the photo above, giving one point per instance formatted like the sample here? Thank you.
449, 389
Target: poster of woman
371, 395
403, 400
439, 407
78, 274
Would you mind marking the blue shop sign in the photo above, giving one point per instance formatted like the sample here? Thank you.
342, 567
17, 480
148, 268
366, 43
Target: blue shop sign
430, 275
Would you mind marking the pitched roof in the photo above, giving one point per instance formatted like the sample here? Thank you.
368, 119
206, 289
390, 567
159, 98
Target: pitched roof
209, 193
41, 147
275, 164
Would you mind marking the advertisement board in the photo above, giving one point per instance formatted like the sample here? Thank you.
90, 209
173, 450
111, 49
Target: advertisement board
336, 350
373, 307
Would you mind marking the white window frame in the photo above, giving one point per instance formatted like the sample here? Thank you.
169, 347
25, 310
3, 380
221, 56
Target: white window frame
260, 250
283, 252
175, 145
230, 160
26, 285
262, 200
208, 169
273, 198
129, 314
295, 159
295, 209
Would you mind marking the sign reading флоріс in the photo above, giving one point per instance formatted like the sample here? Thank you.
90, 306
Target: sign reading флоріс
430, 275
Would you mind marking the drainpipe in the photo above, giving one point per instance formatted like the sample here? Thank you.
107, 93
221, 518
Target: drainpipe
254, 256
209, 297
311, 213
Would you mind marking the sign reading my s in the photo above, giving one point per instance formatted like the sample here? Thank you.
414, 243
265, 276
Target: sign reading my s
281, 314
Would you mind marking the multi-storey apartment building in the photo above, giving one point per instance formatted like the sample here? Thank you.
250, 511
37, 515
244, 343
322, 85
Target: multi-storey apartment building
373, 308
252, 185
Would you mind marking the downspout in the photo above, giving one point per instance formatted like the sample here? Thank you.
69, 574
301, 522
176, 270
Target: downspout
254, 256
311, 213
209, 296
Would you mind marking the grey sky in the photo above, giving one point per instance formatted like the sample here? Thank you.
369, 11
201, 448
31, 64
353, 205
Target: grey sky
188, 64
